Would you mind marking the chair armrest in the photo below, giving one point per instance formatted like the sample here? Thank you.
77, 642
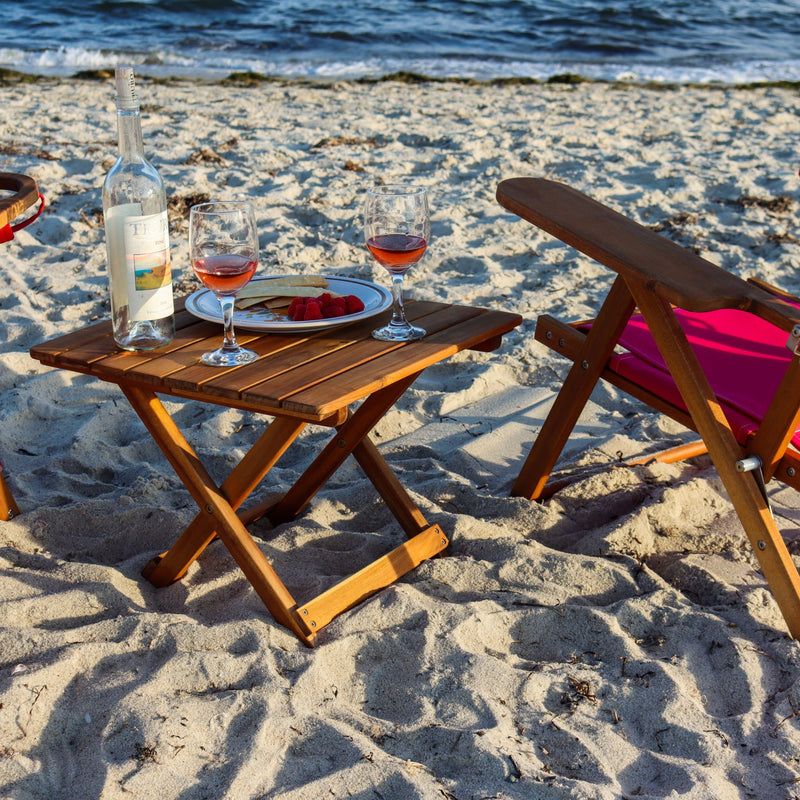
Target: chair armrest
25, 195
637, 253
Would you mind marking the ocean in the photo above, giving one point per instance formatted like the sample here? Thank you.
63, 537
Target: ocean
727, 41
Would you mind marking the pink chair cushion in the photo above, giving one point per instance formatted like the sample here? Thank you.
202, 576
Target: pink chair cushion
743, 357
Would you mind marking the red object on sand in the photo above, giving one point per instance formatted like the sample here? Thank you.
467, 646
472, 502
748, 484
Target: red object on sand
25, 194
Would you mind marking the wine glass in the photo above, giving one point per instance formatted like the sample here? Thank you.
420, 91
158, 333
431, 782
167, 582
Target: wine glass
223, 249
397, 229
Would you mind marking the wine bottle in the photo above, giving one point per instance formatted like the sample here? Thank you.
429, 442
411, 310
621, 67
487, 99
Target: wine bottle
137, 234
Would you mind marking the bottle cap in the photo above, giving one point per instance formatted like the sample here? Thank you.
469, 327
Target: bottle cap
126, 88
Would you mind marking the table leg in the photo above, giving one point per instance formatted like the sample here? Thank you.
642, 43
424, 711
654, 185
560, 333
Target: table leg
218, 515
257, 462
424, 542
389, 487
248, 556
348, 437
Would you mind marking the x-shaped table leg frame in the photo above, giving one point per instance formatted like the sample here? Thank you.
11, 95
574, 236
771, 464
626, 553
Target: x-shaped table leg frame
218, 517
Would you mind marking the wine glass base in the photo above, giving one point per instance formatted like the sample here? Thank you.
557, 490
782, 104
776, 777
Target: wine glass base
228, 358
398, 333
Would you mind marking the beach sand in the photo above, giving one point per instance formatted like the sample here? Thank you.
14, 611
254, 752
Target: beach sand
617, 641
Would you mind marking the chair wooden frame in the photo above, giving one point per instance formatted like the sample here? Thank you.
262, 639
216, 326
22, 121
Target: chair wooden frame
25, 194
655, 276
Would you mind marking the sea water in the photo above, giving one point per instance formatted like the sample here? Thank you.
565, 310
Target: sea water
730, 41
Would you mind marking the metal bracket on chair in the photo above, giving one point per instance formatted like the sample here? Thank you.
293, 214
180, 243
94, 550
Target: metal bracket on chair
753, 464
793, 342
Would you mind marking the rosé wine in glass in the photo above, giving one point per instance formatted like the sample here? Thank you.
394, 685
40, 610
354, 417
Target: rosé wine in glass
397, 231
397, 252
223, 249
225, 274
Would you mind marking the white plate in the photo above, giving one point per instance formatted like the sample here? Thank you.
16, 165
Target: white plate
376, 299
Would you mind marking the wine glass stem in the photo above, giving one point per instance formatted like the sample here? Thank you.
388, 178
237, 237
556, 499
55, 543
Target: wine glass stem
398, 312
226, 303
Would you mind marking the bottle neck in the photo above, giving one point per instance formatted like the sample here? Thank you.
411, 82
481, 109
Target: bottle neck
129, 125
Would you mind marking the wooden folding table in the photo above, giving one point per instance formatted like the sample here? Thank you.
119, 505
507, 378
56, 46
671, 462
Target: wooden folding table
299, 378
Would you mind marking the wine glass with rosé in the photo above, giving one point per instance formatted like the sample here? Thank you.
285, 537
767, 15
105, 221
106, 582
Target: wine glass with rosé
223, 249
397, 229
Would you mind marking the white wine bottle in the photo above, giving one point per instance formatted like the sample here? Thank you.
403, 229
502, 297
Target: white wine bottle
137, 235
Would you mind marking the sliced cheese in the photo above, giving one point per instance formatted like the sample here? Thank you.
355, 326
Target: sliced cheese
278, 293
275, 286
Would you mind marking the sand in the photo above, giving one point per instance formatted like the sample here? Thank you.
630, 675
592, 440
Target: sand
617, 641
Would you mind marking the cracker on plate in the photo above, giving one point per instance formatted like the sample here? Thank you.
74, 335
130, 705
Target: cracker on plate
280, 290
271, 286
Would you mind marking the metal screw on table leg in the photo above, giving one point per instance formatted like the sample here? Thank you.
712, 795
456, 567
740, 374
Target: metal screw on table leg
762, 545
311, 623
790, 472
341, 443
11, 513
209, 510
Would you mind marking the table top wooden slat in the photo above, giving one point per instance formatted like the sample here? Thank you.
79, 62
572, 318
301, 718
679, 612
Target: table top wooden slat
363, 379
280, 352
365, 350
303, 352
49, 352
184, 370
81, 346
359, 346
313, 374
156, 362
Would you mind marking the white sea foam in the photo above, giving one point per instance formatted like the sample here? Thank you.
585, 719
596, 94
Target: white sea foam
64, 61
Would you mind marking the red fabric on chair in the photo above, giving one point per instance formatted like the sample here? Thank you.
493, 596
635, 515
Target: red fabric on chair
742, 356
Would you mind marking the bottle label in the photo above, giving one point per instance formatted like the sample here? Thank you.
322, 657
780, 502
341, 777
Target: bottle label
147, 265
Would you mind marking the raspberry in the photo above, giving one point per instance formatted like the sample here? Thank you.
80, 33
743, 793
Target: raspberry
354, 304
333, 310
313, 311
323, 307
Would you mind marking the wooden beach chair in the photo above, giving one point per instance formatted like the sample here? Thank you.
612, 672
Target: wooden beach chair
714, 352
23, 194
